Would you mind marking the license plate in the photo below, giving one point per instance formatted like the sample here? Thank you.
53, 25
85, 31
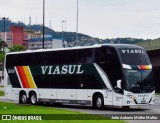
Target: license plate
143, 101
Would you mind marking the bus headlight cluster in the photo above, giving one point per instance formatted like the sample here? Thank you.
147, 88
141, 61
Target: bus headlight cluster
131, 96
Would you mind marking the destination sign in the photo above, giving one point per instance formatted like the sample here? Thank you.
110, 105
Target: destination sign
133, 51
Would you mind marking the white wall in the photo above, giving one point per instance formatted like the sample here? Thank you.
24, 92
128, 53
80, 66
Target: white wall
57, 43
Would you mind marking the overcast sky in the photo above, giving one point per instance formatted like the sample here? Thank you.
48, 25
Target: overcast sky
97, 18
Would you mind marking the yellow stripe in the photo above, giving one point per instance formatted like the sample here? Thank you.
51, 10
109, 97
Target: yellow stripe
29, 78
147, 67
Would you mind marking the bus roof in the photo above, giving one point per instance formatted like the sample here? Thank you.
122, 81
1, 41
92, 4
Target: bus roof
74, 48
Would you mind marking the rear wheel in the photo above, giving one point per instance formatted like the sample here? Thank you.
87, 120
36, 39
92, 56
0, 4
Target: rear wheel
22, 98
33, 98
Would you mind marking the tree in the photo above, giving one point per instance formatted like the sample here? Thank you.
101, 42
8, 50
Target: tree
2, 53
17, 48
2, 43
1, 56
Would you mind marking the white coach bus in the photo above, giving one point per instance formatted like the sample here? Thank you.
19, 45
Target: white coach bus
98, 76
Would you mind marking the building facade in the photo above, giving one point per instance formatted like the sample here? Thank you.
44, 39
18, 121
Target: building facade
13, 37
49, 43
7, 37
17, 35
31, 40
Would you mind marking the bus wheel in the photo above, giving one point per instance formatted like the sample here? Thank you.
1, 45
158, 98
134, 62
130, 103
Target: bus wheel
99, 102
126, 107
33, 98
22, 98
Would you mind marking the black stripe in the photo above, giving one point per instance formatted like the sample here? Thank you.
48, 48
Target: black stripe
81, 102
13, 77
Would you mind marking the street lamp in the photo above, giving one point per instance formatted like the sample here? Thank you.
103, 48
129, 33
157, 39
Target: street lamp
77, 24
62, 33
43, 20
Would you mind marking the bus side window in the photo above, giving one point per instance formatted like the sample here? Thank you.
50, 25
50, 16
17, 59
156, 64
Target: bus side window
86, 56
17, 60
100, 55
9, 60
69, 57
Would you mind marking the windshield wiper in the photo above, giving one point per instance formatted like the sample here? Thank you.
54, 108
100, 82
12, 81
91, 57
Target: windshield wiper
140, 83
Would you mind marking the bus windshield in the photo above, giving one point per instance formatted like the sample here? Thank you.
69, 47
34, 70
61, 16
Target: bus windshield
134, 56
139, 81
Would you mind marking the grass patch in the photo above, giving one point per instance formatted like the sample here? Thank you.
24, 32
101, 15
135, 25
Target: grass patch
1, 93
158, 93
1, 86
9, 108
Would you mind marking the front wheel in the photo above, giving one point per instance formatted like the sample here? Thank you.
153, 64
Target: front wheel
99, 102
33, 98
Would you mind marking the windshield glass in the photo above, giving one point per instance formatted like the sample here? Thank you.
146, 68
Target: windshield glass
134, 56
139, 81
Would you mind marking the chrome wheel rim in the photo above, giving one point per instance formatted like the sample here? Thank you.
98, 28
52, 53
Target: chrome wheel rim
33, 99
24, 98
99, 102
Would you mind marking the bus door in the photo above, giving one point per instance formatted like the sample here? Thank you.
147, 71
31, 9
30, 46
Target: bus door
117, 99
117, 94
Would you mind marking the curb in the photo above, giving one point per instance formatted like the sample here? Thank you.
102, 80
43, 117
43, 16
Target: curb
2, 97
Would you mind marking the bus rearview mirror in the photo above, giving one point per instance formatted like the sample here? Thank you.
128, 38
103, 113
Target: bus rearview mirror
119, 84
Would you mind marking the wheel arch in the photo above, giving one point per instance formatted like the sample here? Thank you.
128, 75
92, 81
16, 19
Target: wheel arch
32, 92
22, 92
95, 95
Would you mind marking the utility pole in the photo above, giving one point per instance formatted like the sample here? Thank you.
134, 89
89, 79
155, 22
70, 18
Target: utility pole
63, 33
43, 21
4, 39
77, 24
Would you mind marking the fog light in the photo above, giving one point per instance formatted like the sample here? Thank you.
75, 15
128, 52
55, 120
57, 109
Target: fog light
128, 102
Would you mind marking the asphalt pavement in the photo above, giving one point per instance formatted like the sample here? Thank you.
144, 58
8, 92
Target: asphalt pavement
148, 109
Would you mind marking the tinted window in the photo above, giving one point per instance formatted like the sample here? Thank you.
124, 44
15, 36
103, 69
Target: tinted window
52, 57
139, 81
86, 55
134, 56
62, 57
42, 58
108, 60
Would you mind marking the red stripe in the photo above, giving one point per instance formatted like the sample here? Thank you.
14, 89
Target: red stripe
22, 77
142, 67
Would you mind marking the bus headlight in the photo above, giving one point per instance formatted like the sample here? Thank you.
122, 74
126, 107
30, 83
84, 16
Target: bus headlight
131, 96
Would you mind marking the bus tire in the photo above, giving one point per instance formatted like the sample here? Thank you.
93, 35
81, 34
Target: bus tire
22, 98
33, 98
98, 102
